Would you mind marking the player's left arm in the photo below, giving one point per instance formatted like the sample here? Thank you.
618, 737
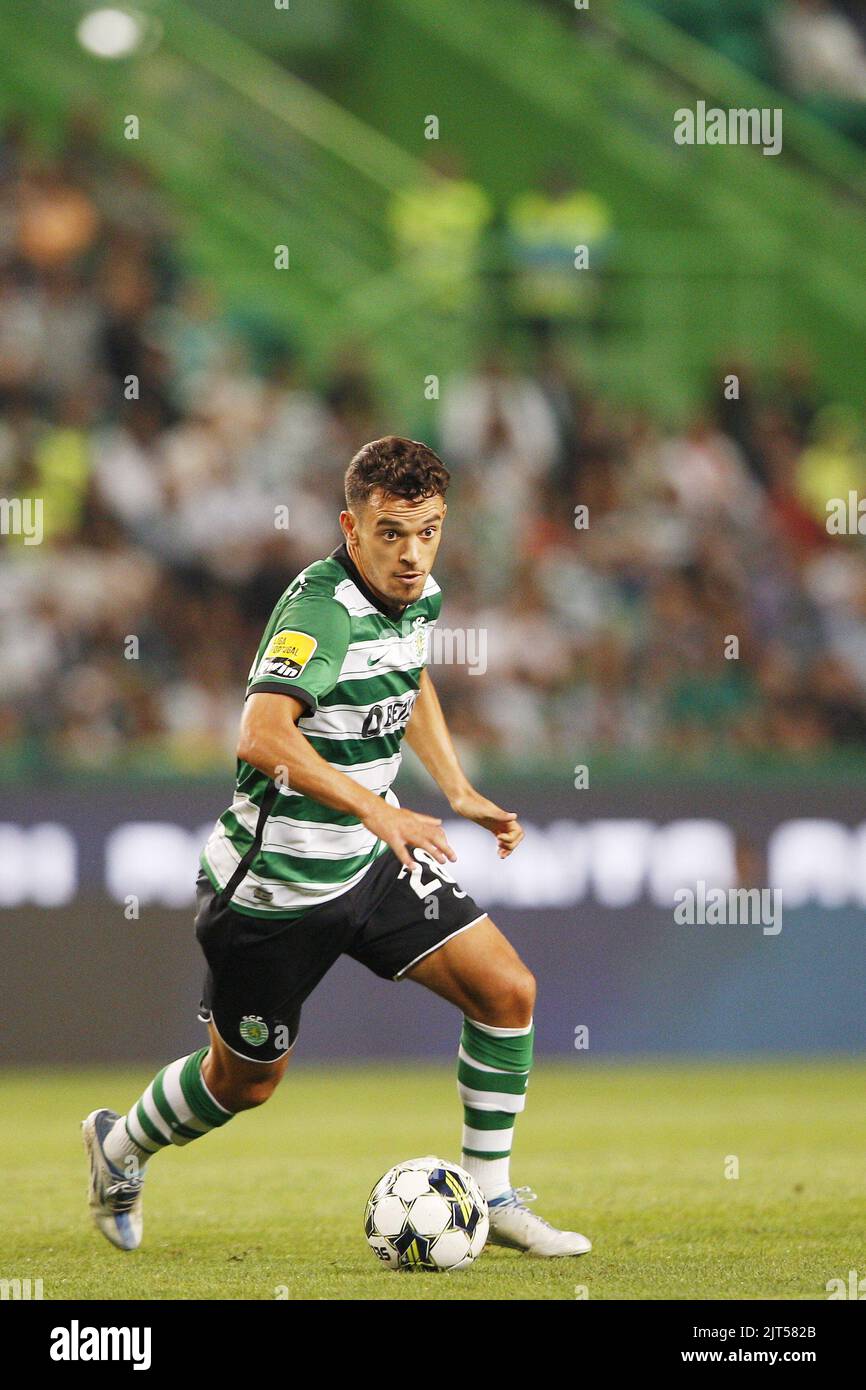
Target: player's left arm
427, 735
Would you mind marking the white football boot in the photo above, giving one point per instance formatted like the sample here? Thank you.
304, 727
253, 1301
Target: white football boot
514, 1225
115, 1199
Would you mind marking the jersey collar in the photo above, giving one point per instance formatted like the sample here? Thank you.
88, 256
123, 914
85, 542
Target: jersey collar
388, 610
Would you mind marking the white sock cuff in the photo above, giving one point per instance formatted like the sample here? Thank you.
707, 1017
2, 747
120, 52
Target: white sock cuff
501, 1032
208, 1092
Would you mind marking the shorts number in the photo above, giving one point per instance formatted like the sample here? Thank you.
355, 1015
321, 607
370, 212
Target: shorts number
416, 876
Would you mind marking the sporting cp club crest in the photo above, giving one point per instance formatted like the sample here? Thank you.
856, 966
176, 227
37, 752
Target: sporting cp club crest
420, 636
253, 1030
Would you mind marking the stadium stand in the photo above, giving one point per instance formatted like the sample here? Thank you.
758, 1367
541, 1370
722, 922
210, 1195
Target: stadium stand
159, 517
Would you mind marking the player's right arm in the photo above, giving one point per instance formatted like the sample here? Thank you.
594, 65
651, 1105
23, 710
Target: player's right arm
297, 665
271, 741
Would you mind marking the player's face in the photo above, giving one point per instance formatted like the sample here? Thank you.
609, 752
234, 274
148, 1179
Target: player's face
394, 543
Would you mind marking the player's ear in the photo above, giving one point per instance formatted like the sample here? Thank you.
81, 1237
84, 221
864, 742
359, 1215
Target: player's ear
348, 524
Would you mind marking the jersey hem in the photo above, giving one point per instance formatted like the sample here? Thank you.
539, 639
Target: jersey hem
283, 914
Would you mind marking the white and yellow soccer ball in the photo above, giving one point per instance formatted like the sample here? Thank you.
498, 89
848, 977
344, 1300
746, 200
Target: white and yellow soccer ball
426, 1214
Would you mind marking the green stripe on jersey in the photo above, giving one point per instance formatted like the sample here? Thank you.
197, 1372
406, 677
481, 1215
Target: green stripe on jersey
356, 670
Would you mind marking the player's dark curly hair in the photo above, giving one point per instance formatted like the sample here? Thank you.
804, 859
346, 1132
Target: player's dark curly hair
400, 467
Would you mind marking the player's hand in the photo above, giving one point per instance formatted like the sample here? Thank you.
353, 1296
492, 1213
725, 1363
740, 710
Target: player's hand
503, 824
400, 828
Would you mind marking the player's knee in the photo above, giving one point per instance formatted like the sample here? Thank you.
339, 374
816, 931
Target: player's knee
510, 1000
236, 1086
521, 995
246, 1090
249, 1092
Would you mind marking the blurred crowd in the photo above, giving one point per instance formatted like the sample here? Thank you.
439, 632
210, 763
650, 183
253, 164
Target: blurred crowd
453, 238
615, 586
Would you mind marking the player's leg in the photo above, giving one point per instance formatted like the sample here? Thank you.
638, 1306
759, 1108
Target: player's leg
254, 990
189, 1098
185, 1101
479, 971
236, 1083
424, 927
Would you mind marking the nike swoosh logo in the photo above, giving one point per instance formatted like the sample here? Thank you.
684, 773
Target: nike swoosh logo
374, 660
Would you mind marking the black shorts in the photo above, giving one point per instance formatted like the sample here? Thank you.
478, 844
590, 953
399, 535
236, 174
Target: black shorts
260, 971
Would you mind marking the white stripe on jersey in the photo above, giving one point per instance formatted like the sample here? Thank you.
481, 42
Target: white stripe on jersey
347, 721
367, 660
223, 859
353, 600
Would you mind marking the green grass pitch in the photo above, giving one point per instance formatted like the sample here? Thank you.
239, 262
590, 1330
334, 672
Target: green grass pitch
632, 1155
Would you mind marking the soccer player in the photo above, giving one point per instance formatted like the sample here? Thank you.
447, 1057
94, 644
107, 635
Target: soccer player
316, 858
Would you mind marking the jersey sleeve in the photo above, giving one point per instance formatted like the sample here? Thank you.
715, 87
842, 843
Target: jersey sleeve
303, 650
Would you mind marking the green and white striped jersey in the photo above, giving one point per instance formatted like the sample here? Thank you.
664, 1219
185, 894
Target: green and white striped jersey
355, 664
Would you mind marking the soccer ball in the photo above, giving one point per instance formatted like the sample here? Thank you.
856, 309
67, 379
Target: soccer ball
426, 1214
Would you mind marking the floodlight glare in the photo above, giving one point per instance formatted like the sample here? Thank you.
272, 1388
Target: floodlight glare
111, 33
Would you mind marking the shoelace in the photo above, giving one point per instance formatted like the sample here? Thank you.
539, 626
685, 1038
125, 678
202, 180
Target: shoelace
123, 1195
520, 1199
517, 1197
523, 1195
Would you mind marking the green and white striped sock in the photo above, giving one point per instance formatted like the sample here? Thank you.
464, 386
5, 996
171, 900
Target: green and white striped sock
176, 1108
492, 1076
